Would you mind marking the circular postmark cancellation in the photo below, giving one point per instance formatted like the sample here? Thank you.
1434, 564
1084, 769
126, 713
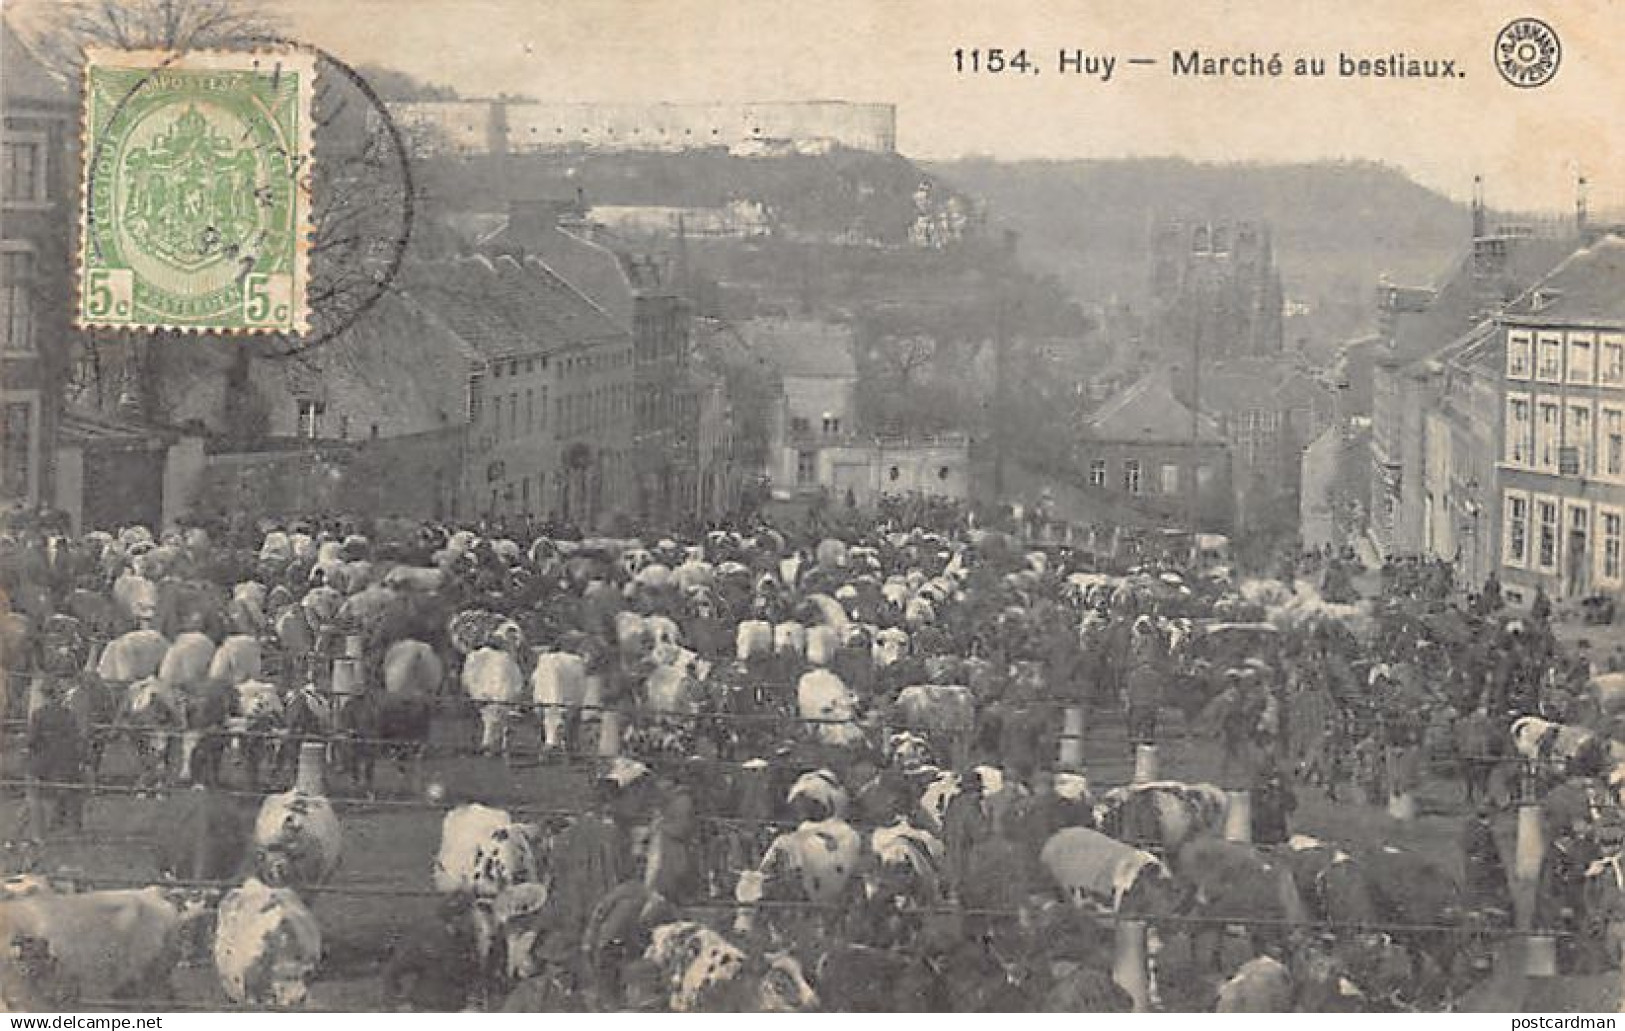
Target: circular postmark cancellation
263, 192
197, 199
1527, 53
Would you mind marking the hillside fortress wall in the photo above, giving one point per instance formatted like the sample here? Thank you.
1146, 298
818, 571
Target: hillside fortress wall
513, 126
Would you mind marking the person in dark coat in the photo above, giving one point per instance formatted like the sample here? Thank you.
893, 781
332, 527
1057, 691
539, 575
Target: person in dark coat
56, 754
1485, 878
1273, 803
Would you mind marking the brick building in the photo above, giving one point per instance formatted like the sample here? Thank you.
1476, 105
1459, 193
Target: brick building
39, 198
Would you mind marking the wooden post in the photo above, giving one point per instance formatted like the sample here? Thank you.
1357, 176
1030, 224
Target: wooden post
1147, 764
346, 677
1131, 969
311, 778
1238, 817
1527, 858
1071, 760
609, 734
1540, 955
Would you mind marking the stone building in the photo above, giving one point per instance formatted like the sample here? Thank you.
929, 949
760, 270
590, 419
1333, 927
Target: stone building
1215, 291
520, 127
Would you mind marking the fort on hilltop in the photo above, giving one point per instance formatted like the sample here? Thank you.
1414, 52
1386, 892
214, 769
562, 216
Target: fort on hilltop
517, 126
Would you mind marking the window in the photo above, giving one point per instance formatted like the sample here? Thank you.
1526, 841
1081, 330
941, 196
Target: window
1580, 357
1548, 435
513, 412
543, 412
1517, 529
806, 466
799, 424
1204, 477
344, 427
1611, 365
1170, 479
1546, 517
17, 453
1577, 439
476, 399
17, 300
1613, 442
1609, 554
22, 171
530, 411
1131, 476
1097, 472
1550, 369
1518, 348
1517, 431
832, 424
310, 418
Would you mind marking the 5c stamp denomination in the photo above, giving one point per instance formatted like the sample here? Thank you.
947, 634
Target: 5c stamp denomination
197, 190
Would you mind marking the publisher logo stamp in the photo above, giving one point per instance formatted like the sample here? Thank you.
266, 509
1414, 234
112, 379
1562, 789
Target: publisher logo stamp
1527, 53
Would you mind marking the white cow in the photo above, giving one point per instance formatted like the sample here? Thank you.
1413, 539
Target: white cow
99, 944
753, 639
297, 839
559, 686
488, 859
236, 660
493, 680
824, 700
267, 946
132, 656
697, 962
186, 663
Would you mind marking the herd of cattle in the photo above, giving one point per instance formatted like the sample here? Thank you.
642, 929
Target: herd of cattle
822, 774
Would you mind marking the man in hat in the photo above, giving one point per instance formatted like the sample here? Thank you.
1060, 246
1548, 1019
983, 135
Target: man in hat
56, 753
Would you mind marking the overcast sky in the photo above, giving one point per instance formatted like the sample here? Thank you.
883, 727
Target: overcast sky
1529, 144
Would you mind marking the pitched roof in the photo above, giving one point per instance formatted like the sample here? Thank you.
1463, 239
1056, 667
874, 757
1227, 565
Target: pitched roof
1461, 300
1245, 383
1589, 286
502, 307
803, 348
1148, 410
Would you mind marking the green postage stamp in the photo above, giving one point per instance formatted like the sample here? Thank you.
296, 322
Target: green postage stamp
197, 172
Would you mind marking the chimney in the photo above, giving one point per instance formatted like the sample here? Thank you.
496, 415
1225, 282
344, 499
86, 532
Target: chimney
1478, 207
1580, 207
529, 223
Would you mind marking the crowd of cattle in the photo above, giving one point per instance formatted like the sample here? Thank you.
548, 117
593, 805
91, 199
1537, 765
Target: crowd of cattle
818, 773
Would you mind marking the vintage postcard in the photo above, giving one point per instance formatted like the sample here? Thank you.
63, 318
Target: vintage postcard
870, 506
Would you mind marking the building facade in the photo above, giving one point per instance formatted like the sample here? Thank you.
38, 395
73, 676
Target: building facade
1146, 450
38, 198
1562, 458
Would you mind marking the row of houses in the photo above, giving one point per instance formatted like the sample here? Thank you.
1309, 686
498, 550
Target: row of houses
529, 363
1494, 439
